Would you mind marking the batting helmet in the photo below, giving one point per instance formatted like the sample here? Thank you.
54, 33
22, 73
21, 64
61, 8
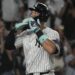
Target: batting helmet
43, 10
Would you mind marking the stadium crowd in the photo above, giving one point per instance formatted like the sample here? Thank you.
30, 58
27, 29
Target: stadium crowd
62, 19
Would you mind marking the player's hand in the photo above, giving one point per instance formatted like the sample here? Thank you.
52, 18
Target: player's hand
28, 23
34, 26
19, 26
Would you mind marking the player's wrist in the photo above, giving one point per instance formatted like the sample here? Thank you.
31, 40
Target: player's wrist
41, 37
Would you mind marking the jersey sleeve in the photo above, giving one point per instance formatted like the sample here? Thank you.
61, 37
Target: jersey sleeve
19, 39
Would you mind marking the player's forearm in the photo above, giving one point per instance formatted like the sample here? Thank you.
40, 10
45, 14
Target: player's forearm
49, 46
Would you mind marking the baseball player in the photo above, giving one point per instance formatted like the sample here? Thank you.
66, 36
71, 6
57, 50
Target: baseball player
41, 44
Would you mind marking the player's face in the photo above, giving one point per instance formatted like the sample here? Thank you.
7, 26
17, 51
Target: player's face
34, 13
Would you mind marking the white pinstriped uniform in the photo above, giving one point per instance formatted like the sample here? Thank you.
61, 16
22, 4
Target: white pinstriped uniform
36, 58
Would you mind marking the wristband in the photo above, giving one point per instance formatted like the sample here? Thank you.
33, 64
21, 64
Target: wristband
43, 38
39, 33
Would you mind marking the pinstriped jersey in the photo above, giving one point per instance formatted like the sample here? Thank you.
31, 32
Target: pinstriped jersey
36, 58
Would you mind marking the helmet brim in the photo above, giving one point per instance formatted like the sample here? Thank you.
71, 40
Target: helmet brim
32, 9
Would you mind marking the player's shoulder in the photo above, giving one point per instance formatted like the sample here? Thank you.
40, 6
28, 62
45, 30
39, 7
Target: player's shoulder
50, 30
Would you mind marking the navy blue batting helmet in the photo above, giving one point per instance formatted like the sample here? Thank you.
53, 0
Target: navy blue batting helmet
43, 10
